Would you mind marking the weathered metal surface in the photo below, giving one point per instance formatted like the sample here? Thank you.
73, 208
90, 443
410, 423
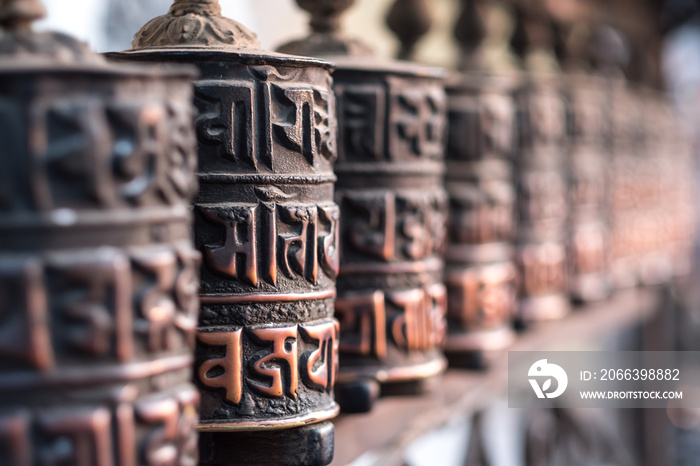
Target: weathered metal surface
98, 276
391, 297
541, 184
480, 272
589, 185
265, 222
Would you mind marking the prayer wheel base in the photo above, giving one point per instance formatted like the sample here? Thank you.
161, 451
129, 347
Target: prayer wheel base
310, 446
357, 397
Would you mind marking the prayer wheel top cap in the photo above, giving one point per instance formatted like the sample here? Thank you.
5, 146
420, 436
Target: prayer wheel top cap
197, 26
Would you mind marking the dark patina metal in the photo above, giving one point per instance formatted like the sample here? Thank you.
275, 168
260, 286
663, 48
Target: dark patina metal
98, 276
480, 271
266, 224
391, 298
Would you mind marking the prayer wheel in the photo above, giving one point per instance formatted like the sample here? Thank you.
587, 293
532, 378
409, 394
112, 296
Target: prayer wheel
98, 275
267, 228
391, 297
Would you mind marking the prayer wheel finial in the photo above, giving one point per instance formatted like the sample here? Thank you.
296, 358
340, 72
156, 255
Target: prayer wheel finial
194, 24
409, 20
327, 37
20, 14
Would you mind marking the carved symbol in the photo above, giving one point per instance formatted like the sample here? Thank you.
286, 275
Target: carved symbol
412, 328
71, 137
304, 239
240, 242
181, 154
325, 124
24, 325
480, 216
436, 295
482, 298
156, 301
362, 324
376, 233
295, 120
140, 135
325, 336
231, 363
418, 123
82, 438
329, 239
423, 223
93, 298
226, 119
161, 444
298, 255
361, 113
284, 353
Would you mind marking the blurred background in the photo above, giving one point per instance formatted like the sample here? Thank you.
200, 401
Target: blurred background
663, 36
662, 50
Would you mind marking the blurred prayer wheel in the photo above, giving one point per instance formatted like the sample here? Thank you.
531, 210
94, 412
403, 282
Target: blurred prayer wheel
267, 227
481, 276
541, 184
391, 298
541, 177
98, 276
480, 273
589, 181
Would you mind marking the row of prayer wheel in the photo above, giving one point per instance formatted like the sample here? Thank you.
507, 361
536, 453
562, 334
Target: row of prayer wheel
351, 225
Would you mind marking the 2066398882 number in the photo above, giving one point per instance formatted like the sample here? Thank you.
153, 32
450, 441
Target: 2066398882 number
640, 374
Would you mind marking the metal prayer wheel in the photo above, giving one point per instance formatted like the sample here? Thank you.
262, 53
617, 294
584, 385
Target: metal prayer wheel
481, 275
541, 177
542, 206
480, 272
98, 276
589, 181
267, 227
391, 297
